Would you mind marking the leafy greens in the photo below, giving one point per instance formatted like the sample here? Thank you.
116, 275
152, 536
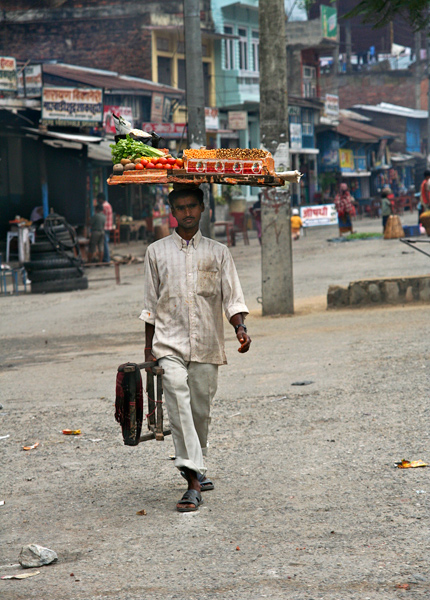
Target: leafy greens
132, 149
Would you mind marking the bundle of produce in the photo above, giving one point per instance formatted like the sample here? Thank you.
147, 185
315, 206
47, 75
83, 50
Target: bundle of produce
237, 161
131, 155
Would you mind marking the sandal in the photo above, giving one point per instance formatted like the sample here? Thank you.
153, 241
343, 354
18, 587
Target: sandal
206, 484
190, 497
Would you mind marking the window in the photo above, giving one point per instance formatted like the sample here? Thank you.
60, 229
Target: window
228, 49
243, 48
164, 70
307, 122
255, 42
163, 44
309, 82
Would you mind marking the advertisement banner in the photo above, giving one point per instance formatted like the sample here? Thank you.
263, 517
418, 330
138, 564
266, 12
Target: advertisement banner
237, 120
295, 136
331, 105
30, 82
157, 105
329, 22
165, 128
123, 111
346, 160
322, 214
8, 79
211, 118
76, 107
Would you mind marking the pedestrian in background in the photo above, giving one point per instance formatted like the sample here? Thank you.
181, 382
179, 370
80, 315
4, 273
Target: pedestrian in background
97, 234
108, 213
386, 207
296, 224
424, 203
345, 208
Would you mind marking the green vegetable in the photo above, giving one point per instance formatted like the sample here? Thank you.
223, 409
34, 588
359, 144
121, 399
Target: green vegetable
132, 149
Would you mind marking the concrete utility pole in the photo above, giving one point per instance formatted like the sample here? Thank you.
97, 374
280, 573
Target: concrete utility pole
276, 251
418, 70
195, 91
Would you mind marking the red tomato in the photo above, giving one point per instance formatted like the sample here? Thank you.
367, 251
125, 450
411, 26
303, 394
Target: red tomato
175, 167
162, 161
180, 162
144, 161
139, 167
159, 166
171, 161
150, 165
167, 167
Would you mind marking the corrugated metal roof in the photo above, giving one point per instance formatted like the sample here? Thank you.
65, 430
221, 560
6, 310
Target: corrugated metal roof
361, 132
393, 109
108, 80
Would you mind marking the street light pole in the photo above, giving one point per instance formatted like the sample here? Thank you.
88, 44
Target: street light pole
276, 250
195, 91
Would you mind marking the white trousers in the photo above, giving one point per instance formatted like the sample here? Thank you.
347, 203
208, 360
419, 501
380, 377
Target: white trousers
189, 388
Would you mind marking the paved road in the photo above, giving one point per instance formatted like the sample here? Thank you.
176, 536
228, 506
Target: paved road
307, 502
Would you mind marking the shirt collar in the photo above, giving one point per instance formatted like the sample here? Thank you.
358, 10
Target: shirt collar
181, 243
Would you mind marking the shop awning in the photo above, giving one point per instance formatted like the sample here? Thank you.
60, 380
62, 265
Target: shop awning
304, 151
71, 137
356, 174
401, 158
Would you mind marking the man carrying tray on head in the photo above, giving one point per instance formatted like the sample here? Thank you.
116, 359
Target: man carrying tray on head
188, 281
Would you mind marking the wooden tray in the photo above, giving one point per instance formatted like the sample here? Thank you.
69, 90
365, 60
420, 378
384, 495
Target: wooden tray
162, 176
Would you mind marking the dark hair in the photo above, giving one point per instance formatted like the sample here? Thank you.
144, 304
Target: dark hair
385, 194
99, 208
427, 173
101, 197
194, 192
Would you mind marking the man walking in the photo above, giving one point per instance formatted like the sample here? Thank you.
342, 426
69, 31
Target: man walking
108, 213
188, 281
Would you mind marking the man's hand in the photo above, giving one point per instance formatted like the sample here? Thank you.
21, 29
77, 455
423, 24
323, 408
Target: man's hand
244, 339
148, 358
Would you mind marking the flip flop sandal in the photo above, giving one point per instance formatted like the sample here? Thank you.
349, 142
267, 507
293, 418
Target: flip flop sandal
190, 497
205, 483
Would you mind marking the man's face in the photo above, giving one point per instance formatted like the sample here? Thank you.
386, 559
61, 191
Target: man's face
187, 211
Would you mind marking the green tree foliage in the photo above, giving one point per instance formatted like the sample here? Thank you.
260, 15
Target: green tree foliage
381, 12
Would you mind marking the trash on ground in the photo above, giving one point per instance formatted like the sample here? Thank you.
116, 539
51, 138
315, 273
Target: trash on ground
3, 437
141, 512
1, 502
407, 464
403, 586
31, 447
304, 382
34, 555
72, 431
235, 415
127, 259
279, 399
21, 575
95, 439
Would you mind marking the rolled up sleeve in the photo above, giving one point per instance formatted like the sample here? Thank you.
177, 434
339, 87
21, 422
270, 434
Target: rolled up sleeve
232, 295
150, 289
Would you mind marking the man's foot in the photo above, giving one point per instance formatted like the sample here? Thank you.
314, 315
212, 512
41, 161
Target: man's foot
190, 501
206, 484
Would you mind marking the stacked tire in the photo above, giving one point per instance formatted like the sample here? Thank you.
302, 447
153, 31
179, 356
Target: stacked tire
55, 263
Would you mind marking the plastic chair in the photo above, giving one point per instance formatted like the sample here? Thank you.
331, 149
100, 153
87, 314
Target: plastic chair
240, 227
14, 234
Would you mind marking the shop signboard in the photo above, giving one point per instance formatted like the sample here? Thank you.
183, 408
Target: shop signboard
74, 107
8, 79
330, 155
295, 136
329, 22
237, 120
331, 105
346, 160
108, 122
321, 214
157, 105
30, 82
165, 129
211, 118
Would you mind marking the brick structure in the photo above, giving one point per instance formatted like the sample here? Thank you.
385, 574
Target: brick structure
104, 34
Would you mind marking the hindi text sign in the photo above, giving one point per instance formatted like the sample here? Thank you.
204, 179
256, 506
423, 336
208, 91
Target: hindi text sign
76, 107
321, 214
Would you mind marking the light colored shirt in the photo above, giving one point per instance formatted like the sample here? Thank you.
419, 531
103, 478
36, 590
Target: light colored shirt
186, 288
108, 213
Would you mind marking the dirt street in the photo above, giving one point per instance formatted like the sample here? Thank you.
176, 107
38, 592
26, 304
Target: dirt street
307, 501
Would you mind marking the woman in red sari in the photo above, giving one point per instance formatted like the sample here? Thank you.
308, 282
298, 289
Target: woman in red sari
344, 204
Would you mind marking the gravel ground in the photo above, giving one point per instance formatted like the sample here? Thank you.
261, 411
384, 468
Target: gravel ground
307, 501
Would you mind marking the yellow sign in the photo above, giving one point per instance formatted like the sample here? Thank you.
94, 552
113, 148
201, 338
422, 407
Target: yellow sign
346, 159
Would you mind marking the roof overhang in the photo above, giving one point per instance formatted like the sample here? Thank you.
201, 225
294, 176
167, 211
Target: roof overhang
70, 137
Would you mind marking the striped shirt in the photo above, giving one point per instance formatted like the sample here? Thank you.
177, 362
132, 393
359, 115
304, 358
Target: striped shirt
186, 288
